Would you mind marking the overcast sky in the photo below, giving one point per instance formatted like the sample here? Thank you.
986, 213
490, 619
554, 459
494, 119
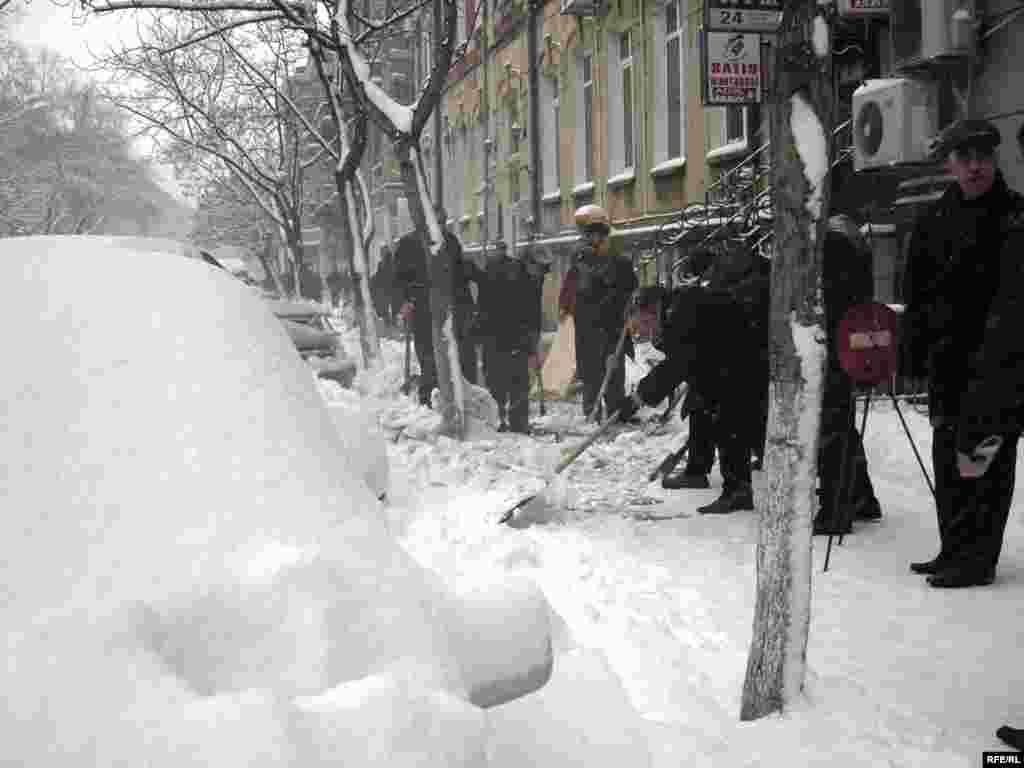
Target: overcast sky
65, 28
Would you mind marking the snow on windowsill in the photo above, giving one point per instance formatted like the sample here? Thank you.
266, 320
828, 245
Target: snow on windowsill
669, 167
727, 151
552, 197
621, 179
586, 188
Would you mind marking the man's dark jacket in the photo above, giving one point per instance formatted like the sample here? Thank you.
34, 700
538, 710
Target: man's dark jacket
953, 271
601, 298
993, 403
716, 338
509, 306
412, 279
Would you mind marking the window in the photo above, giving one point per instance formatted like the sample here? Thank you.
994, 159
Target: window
626, 59
550, 137
735, 124
671, 52
556, 108
585, 101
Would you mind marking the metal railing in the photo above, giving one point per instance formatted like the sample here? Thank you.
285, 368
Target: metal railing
746, 213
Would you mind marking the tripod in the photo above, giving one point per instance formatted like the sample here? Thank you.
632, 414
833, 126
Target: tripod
844, 488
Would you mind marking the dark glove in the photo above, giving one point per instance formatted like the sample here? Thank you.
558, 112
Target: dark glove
629, 406
692, 402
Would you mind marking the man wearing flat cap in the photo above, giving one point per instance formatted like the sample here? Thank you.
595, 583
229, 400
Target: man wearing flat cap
952, 276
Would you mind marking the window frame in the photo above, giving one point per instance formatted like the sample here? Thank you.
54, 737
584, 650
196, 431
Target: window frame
666, 161
622, 127
585, 148
730, 148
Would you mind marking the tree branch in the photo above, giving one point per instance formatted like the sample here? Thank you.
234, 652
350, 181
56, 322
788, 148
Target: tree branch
219, 31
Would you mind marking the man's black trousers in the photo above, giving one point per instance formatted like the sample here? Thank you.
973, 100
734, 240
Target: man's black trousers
506, 368
972, 514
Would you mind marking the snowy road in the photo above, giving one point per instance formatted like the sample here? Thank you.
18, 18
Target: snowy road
900, 673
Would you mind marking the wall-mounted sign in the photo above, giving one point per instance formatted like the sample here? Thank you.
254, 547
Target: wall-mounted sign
743, 15
863, 7
732, 68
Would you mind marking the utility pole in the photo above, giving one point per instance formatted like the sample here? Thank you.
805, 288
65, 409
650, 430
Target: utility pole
801, 125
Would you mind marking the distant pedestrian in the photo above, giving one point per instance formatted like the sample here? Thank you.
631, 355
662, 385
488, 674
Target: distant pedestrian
956, 260
382, 287
847, 280
509, 324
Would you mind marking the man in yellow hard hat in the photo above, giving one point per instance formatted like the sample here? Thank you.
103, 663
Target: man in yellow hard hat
604, 284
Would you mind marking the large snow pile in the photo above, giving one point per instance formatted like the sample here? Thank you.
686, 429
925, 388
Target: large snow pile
194, 571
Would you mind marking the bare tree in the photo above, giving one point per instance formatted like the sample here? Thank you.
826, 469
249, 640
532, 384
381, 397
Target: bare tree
801, 122
66, 162
211, 97
404, 126
329, 25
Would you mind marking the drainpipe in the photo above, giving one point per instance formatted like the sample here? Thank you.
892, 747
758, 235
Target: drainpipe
436, 143
485, 105
536, 167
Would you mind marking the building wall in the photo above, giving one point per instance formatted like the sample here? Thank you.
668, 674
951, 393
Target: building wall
563, 40
998, 93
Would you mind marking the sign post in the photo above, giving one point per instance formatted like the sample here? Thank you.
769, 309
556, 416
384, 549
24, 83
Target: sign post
742, 15
732, 69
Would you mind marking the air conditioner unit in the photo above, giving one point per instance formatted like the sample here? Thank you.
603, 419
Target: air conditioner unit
893, 121
584, 7
922, 32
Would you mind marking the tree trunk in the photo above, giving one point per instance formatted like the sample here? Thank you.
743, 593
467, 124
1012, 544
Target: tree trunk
801, 130
352, 241
439, 267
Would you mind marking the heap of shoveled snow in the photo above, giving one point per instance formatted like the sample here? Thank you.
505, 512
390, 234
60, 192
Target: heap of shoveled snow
194, 571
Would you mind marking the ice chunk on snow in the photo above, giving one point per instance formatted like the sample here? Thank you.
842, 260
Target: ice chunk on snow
581, 718
503, 641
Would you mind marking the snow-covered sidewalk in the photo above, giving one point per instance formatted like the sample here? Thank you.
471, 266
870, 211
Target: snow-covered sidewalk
900, 674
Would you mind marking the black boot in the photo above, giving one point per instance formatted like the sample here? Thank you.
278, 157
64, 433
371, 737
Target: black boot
928, 567
822, 527
869, 510
731, 500
1011, 736
685, 480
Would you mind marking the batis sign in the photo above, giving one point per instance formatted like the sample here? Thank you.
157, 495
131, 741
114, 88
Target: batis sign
732, 69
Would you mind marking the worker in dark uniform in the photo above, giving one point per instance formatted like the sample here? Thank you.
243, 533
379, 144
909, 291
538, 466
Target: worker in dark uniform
713, 343
603, 284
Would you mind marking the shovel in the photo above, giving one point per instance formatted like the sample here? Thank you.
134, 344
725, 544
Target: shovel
563, 465
408, 343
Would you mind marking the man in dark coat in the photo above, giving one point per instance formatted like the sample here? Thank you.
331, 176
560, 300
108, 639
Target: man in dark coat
953, 273
714, 342
604, 285
381, 287
700, 454
847, 280
412, 286
464, 310
509, 323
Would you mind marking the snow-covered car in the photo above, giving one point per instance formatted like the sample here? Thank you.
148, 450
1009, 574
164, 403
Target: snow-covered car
308, 325
315, 336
